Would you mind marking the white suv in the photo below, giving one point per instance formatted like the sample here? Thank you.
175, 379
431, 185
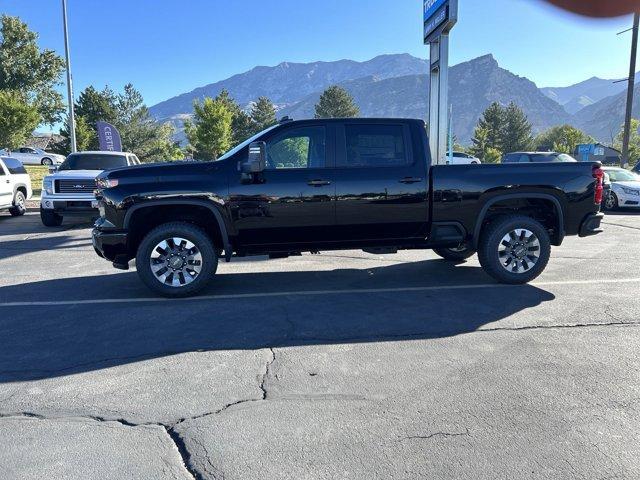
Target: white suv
15, 186
36, 156
69, 191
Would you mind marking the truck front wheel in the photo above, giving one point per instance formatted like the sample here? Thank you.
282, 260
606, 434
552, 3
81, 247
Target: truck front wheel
176, 260
455, 254
50, 219
514, 249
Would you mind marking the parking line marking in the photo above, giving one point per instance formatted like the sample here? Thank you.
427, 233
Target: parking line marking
314, 293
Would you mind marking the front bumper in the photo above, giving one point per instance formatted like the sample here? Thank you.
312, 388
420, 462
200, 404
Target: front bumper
67, 204
591, 225
112, 246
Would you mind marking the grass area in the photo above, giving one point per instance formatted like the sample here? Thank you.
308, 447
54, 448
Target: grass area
37, 173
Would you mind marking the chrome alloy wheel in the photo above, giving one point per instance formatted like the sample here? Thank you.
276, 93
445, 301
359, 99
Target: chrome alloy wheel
176, 262
519, 251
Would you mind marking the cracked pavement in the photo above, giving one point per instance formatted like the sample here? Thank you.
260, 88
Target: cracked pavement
399, 366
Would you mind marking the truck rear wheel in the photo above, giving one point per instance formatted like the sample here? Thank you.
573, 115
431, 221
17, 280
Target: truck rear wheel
514, 249
50, 219
176, 260
455, 254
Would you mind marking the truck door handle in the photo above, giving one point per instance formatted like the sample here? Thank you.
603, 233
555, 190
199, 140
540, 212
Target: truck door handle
411, 180
318, 183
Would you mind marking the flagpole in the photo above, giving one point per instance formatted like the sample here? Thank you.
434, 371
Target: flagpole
72, 119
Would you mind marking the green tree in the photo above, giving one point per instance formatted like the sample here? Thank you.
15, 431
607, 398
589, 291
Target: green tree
140, 133
516, 133
263, 113
562, 138
242, 125
336, 102
210, 132
489, 132
634, 141
18, 119
92, 106
26, 69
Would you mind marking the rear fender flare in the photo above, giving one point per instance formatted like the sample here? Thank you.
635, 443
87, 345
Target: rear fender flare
516, 196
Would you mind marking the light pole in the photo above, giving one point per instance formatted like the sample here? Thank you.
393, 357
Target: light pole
72, 118
632, 80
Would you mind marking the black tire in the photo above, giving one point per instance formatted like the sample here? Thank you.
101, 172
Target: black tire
454, 254
19, 206
501, 265
46, 161
50, 219
189, 232
611, 202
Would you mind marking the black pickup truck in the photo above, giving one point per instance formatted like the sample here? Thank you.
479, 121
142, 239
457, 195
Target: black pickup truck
314, 185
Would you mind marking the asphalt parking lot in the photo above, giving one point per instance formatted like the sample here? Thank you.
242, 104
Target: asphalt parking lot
331, 366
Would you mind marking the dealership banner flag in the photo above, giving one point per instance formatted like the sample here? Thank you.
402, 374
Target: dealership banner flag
109, 137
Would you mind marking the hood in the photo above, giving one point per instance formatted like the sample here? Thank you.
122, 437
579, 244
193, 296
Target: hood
161, 169
76, 173
627, 184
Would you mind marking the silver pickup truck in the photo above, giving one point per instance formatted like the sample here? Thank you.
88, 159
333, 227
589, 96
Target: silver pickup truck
69, 189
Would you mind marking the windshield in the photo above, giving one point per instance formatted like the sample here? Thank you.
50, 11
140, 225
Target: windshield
552, 157
93, 161
623, 176
246, 143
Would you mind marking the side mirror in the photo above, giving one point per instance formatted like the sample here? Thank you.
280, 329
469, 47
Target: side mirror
53, 169
257, 160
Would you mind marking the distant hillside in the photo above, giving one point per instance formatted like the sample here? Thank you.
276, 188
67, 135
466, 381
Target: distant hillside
397, 86
287, 82
603, 119
473, 86
576, 97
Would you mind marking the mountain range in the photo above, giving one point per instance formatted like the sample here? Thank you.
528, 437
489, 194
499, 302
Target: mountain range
398, 86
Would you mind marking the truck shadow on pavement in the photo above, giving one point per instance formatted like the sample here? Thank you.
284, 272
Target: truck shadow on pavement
56, 340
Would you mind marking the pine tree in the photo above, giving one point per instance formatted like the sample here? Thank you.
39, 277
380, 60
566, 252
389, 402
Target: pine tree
242, 125
336, 102
516, 134
489, 132
263, 113
210, 132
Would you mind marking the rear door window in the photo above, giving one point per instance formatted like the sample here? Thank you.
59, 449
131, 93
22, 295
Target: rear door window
375, 146
14, 166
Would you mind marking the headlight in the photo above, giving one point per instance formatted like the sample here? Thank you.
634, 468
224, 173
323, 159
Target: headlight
47, 185
630, 191
103, 183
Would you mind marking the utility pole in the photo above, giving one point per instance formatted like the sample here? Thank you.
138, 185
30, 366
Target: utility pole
632, 81
72, 118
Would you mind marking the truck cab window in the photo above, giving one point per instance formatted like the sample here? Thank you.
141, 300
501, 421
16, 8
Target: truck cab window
375, 146
297, 148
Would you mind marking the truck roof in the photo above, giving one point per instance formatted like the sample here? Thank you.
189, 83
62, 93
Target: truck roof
103, 152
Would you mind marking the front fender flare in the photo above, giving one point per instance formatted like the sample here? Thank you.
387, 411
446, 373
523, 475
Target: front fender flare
224, 232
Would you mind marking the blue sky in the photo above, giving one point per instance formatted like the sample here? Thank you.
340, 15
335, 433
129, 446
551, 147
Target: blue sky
168, 47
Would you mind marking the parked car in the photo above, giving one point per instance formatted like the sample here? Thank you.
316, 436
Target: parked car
36, 156
347, 183
625, 188
536, 157
69, 191
15, 186
460, 158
